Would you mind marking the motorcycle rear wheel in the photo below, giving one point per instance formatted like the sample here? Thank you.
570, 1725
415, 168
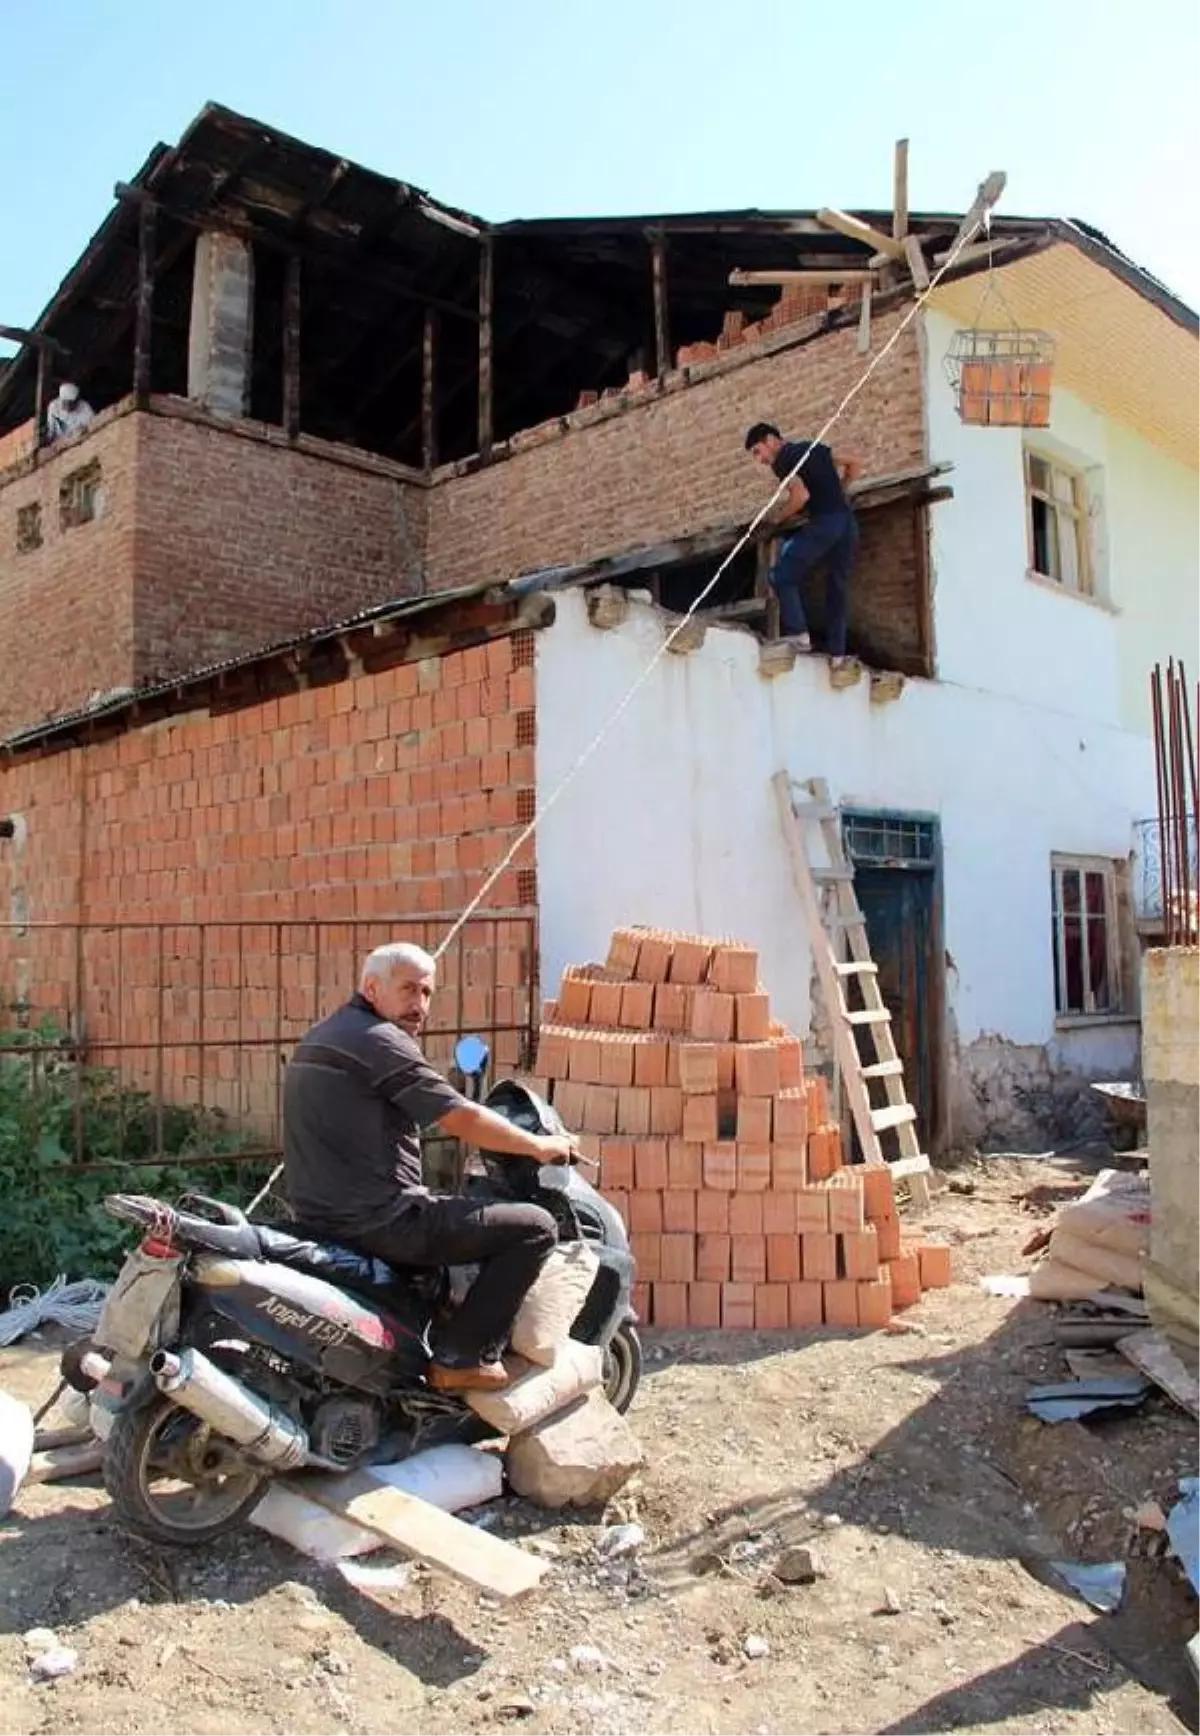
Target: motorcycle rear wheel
161, 1442
622, 1368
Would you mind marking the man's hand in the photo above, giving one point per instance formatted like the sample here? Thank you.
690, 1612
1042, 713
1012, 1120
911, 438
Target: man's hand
558, 1148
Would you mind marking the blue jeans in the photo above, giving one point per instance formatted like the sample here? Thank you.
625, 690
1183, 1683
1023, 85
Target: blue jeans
832, 538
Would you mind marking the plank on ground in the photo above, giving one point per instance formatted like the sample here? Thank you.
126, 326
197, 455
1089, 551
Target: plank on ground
424, 1532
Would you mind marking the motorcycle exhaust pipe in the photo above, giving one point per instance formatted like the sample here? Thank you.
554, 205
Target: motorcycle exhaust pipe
262, 1431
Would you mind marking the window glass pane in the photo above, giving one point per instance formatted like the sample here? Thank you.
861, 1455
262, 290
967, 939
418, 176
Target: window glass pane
1039, 473
1064, 486
1070, 890
1096, 902
1098, 982
1073, 948
1045, 538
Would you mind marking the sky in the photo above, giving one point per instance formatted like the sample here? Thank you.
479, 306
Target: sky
524, 108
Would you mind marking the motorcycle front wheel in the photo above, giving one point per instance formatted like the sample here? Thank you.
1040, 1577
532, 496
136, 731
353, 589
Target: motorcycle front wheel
622, 1367
171, 1479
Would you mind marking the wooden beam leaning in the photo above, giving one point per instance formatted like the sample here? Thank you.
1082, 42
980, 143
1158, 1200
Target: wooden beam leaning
857, 230
662, 315
144, 326
291, 347
916, 261
487, 272
900, 191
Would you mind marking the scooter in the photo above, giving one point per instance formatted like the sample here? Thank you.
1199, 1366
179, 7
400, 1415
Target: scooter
229, 1352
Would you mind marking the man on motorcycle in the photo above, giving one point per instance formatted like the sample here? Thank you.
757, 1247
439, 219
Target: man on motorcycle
356, 1094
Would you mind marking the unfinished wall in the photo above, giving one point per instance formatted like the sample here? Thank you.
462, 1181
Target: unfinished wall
674, 464
1171, 1067
673, 823
66, 584
244, 542
381, 798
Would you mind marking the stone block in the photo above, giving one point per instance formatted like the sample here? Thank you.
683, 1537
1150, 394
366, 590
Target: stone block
579, 1458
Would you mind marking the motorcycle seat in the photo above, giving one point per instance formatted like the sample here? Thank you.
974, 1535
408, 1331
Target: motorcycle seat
336, 1264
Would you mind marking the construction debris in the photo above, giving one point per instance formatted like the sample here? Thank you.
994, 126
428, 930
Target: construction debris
1072, 1399
579, 1457
717, 1149
1098, 1241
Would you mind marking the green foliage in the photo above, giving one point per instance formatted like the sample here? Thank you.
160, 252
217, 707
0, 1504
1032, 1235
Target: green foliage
55, 1114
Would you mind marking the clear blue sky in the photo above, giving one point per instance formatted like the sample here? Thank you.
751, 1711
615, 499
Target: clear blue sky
570, 107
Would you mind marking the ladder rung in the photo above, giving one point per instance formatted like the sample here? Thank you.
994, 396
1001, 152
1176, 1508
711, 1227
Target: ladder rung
910, 1166
858, 920
883, 1070
894, 1115
832, 874
870, 1016
855, 967
813, 811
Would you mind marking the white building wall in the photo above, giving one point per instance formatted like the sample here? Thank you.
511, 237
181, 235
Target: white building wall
672, 820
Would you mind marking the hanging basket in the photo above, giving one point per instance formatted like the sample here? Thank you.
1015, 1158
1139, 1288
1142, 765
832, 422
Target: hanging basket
1001, 379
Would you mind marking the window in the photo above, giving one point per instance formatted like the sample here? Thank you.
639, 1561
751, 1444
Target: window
29, 528
79, 496
1056, 500
1087, 958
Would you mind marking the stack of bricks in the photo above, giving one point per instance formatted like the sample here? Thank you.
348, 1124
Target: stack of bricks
717, 1150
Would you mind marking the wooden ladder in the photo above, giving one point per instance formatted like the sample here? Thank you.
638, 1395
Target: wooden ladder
837, 931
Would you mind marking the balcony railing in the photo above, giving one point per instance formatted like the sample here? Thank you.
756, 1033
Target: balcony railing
1148, 868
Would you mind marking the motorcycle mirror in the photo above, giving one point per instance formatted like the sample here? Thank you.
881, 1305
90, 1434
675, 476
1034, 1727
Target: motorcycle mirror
470, 1055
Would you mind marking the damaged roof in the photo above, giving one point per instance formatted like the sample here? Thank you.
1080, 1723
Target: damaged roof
572, 311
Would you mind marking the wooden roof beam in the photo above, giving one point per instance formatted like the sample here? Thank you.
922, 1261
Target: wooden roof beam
860, 231
746, 279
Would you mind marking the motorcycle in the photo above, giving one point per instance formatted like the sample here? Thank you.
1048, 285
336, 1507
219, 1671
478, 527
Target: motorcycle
229, 1352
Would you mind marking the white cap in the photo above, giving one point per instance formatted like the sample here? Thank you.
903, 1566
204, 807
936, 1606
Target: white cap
67, 392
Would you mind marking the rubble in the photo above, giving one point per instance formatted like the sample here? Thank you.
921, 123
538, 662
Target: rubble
579, 1457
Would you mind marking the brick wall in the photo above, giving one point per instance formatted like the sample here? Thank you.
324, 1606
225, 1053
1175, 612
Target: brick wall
674, 464
359, 805
66, 605
243, 542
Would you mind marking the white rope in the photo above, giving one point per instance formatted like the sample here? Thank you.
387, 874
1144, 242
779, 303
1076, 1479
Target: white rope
969, 229
76, 1306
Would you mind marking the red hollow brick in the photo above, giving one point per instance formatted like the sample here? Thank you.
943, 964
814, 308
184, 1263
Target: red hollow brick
737, 1307
720, 1164
671, 1305
650, 1163
704, 1305
685, 1164
713, 1255
806, 1305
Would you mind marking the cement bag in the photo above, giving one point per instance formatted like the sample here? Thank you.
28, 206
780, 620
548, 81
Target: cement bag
553, 1303
576, 1369
1076, 1268
450, 1477
16, 1447
1119, 1222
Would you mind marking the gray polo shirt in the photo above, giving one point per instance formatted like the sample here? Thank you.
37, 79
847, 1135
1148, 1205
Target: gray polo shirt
356, 1094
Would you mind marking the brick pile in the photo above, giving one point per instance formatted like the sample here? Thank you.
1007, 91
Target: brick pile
718, 1151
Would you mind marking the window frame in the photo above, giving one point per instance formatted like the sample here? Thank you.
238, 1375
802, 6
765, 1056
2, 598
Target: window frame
1062, 862
1076, 512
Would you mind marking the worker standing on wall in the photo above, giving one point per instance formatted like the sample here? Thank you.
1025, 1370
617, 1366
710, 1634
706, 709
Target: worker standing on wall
829, 533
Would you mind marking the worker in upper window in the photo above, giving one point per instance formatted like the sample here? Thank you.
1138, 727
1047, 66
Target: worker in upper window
829, 532
68, 413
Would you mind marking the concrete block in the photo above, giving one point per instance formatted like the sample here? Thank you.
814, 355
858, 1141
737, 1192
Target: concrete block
579, 1458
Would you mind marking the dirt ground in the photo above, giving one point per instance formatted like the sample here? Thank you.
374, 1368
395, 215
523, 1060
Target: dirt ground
906, 1460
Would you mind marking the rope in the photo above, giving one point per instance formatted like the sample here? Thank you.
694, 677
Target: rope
975, 220
76, 1306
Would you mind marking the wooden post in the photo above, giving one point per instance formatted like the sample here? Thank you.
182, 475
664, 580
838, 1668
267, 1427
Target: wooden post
900, 191
487, 269
291, 346
662, 321
41, 396
144, 328
428, 398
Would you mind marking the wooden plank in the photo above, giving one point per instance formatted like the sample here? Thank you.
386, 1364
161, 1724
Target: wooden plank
916, 262
904, 1167
144, 321
834, 874
895, 1115
969, 255
870, 1016
1151, 1354
863, 343
747, 279
900, 191
487, 271
662, 310
857, 230
884, 1070
424, 1532
41, 396
428, 391
291, 346
848, 967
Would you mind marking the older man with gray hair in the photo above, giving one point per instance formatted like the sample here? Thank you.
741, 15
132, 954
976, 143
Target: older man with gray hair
356, 1094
